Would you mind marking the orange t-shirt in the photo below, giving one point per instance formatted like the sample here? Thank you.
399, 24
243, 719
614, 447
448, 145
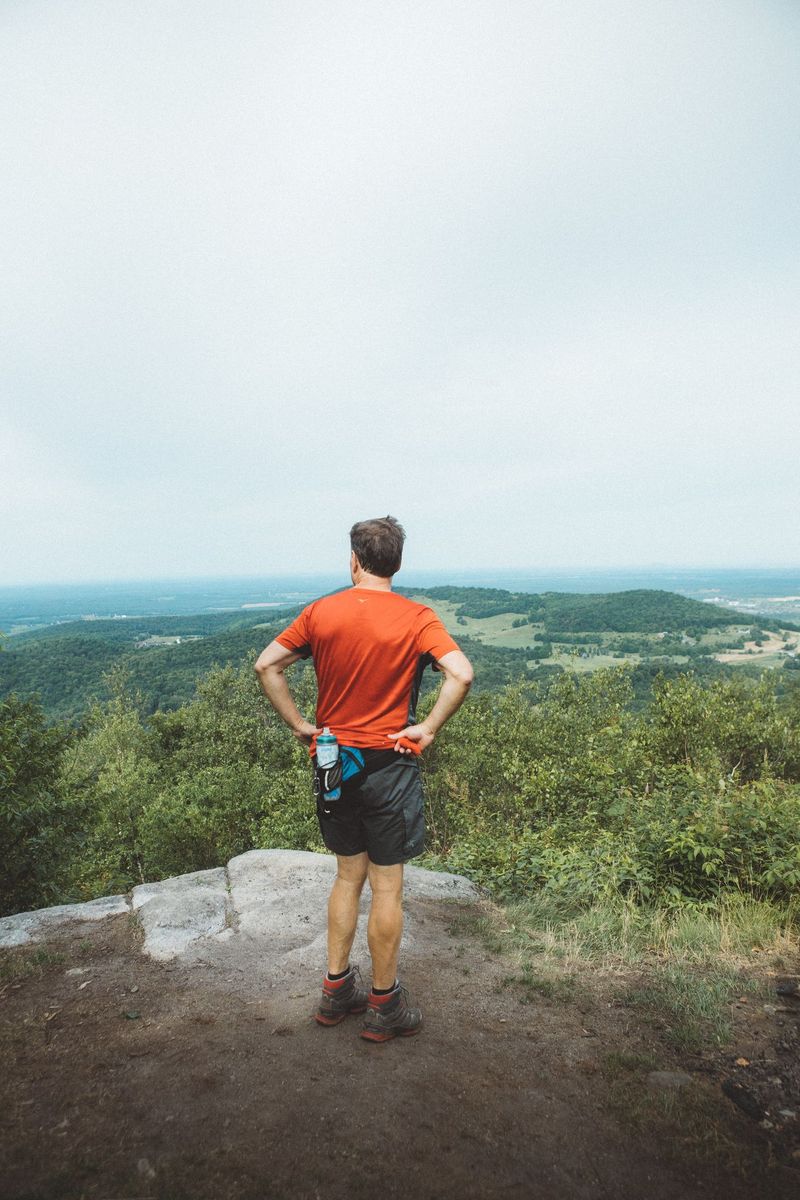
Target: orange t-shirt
369, 648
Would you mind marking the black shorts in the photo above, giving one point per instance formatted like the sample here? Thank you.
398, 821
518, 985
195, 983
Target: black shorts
382, 813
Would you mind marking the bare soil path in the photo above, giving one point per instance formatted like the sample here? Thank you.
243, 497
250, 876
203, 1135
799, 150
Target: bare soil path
124, 1077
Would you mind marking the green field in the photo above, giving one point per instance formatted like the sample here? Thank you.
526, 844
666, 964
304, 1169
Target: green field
492, 631
499, 630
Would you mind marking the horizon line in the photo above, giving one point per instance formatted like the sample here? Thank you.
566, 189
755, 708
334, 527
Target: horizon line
95, 581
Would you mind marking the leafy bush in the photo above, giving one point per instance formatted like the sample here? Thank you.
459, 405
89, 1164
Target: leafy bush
575, 795
187, 790
34, 830
565, 789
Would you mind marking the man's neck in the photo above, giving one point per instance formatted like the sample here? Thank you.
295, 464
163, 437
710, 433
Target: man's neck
372, 583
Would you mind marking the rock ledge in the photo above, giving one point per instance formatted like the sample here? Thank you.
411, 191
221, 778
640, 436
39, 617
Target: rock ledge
277, 896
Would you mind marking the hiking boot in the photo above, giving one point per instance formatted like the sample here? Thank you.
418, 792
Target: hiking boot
390, 1016
340, 997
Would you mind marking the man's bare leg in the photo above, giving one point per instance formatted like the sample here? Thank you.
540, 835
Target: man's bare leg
351, 872
385, 926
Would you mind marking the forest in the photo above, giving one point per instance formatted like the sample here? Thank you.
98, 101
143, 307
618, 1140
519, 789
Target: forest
565, 787
652, 784
67, 670
642, 610
659, 632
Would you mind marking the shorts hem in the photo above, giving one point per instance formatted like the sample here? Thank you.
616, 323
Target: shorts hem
398, 862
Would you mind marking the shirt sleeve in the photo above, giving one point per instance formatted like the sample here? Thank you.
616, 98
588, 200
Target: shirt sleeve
297, 636
432, 637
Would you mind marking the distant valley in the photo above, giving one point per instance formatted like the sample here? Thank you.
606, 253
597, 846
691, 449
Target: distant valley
508, 635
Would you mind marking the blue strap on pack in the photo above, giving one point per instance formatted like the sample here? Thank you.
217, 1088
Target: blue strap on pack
352, 762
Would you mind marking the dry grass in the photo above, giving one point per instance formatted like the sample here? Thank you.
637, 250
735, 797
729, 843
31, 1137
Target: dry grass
682, 968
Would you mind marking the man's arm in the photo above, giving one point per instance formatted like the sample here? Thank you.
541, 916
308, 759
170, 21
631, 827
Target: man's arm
270, 668
458, 675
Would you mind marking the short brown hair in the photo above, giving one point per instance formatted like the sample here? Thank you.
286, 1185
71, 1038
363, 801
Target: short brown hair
378, 545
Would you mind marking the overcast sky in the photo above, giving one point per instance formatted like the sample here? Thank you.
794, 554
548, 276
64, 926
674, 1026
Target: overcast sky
524, 274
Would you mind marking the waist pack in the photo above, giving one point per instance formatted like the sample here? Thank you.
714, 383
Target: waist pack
351, 767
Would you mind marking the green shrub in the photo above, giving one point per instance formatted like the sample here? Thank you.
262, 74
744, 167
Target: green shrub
566, 791
575, 796
35, 832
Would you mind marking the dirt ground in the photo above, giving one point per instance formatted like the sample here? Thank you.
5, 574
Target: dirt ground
125, 1078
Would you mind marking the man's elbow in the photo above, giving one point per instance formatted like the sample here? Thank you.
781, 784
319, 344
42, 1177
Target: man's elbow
464, 674
457, 669
264, 668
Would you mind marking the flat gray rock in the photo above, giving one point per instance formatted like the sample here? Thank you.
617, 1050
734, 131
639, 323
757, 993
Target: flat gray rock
438, 885
267, 902
34, 926
280, 898
207, 881
178, 911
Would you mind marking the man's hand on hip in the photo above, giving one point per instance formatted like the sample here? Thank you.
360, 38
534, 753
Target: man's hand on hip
420, 734
305, 731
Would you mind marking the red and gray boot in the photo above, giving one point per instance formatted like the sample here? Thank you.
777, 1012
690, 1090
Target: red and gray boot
390, 1016
341, 997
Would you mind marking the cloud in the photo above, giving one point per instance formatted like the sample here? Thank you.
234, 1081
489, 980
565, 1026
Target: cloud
523, 274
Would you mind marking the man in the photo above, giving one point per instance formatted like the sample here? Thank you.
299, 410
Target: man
369, 646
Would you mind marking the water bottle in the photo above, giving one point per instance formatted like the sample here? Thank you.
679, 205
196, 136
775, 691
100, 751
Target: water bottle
327, 756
